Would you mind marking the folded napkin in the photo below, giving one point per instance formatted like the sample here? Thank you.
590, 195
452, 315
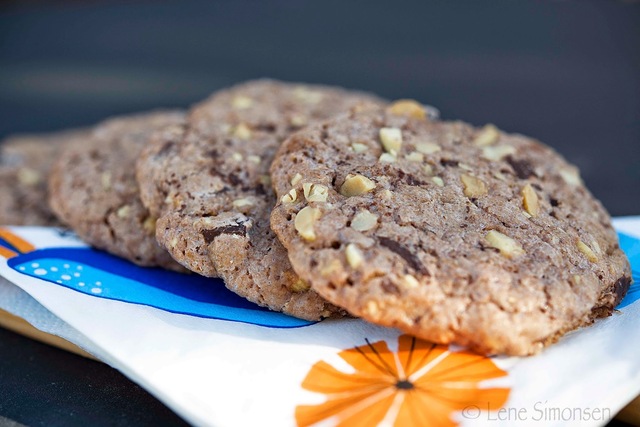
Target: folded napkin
217, 359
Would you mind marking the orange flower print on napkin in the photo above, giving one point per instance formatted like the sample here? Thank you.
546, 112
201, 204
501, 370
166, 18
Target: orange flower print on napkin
422, 384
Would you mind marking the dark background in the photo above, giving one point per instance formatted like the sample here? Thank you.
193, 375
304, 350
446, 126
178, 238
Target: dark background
566, 72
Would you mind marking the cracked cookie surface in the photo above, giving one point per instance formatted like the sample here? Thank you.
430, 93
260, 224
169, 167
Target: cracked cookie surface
93, 189
208, 182
25, 163
449, 232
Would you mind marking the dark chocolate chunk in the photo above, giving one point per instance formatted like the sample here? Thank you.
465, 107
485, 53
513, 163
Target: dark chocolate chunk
168, 146
265, 127
412, 180
404, 253
237, 229
620, 288
449, 163
409, 178
390, 288
522, 168
234, 179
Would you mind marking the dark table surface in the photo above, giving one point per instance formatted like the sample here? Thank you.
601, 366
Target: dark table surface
566, 72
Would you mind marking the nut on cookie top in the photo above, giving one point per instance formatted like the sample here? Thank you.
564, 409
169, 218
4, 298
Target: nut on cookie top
450, 232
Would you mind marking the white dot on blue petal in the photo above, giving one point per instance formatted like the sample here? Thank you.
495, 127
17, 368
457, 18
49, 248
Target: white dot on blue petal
76, 274
58, 281
65, 277
21, 268
54, 269
39, 271
96, 290
80, 283
98, 283
66, 265
79, 267
35, 265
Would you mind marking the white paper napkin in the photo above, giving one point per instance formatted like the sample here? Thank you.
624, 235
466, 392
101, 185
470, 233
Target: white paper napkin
217, 360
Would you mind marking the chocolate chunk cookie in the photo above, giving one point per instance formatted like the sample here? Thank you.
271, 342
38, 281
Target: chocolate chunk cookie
93, 189
209, 184
25, 162
448, 232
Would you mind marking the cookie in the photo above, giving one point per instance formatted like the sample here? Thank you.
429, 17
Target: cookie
25, 162
448, 232
209, 185
93, 189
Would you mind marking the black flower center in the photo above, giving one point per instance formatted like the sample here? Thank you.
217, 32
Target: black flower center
404, 385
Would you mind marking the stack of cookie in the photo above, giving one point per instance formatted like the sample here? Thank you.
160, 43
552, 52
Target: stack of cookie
321, 202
